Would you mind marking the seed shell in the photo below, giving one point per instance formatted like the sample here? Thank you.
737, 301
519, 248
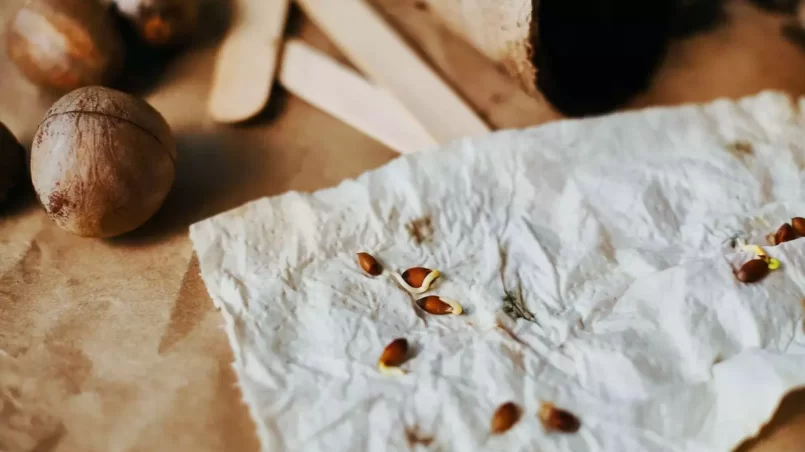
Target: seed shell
439, 306
369, 264
557, 419
784, 234
434, 305
753, 271
414, 277
417, 280
504, 418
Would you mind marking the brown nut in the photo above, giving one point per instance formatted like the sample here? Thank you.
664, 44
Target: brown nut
369, 264
504, 418
753, 270
798, 224
393, 356
12, 161
65, 44
161, 23
102, 162
557, 419
784, 234
439, 306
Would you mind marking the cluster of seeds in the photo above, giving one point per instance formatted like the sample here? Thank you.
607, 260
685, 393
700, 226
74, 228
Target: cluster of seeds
788, 232
416, 281
761, 265
553, 419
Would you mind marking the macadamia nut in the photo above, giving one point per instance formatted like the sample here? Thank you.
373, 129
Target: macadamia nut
102, 162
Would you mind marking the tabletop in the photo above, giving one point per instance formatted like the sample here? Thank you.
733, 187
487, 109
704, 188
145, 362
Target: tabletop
115, 345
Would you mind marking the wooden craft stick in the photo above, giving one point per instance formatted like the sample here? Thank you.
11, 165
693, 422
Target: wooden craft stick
375, 49
330, 86
247, 61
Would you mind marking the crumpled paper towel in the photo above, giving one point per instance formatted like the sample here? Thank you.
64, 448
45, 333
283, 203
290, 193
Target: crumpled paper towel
613, 233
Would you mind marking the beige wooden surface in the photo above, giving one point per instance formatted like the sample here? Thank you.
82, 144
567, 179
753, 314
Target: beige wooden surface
381, 54
117, 342
247, 60
320, 80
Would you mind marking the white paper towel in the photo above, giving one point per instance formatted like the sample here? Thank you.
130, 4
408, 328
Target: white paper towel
615, 234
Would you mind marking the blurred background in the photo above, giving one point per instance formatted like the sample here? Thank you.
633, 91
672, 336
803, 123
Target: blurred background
592, 58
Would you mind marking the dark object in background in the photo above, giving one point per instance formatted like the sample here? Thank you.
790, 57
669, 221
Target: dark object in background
592, 56
753, 270
65, 44
12, 161
694, 16
780, 6
161, 23
102, 162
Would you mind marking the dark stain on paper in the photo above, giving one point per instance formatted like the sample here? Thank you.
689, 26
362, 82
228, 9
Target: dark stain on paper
420, 230
741, 148
415, 437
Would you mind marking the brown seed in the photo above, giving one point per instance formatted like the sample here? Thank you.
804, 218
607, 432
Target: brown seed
504, 418
557, 419
798, 223
416, 280
439, 306
784, 234
394, 354
414, 277
753, 271
369, 264
433, 305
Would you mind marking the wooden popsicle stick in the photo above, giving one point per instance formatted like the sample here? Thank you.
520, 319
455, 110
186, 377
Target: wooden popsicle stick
330, 86
246, 63
375, 49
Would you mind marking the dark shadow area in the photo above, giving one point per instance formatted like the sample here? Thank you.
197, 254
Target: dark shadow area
794, 32
778, 6
594, 55
215, 17
215, 172
146, 65
788, 419
296, 20
697, 16
20, 199
277, 101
